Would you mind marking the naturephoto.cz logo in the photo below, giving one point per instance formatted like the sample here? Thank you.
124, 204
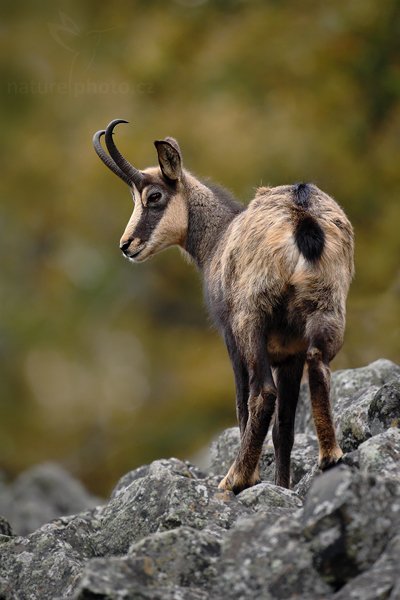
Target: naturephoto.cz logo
82, 45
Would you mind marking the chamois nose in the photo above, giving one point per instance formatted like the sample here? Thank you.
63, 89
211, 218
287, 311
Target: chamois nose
124, 245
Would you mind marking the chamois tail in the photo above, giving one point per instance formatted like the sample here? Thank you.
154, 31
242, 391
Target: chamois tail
308, 233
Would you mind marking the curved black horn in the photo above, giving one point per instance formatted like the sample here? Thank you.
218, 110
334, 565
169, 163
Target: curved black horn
134, 174
107, 160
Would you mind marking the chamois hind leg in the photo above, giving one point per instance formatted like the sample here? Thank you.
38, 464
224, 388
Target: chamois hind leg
319, 376
241, 381
288, 381
261, 405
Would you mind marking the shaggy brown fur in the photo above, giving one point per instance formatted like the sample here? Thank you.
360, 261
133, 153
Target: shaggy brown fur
276, 277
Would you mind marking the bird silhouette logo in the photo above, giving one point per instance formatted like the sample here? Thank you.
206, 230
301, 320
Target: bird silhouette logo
82, 44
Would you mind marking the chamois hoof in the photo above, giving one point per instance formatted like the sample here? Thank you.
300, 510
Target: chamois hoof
236, 483
333, 459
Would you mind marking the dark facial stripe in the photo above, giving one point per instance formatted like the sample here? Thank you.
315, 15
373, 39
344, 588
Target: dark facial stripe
148, 222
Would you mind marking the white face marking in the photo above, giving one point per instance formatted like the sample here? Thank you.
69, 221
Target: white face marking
170, 229
136, 195
133, 221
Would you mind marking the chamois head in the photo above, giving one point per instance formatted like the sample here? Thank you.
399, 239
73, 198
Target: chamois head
160, 213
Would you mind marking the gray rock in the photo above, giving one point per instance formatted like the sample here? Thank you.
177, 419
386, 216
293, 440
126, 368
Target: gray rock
5, 527
380, 454
173, 465
171, 561
347, 385
380, 582
351, 419
304, 455
41, 494
223, 451
371, 413
267, 460
116, 577
304, 422
48, 563
128, 478
225, 448
366, 402
267, 496
161, 501
54, 557
168, 533
348, 518
302, 487
265, 561
384, 410
184, 557
129, 578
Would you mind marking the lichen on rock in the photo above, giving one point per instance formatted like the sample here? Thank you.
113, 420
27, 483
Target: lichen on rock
168, 533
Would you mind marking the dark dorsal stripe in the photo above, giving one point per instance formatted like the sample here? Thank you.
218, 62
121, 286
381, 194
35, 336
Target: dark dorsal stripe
302, 194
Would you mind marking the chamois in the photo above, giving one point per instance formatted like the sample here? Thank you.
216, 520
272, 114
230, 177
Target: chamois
276, 276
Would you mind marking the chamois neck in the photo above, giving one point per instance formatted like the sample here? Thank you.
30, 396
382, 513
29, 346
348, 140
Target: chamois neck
211, 209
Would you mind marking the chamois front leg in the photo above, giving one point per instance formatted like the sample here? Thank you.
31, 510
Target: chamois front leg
319, 376
288, 380
261, 405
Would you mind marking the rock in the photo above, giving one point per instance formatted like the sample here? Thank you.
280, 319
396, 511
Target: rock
350, 383
348, 518
366, 402
54, 557
304, 422
184, 557
41, 494
168, 533
173, 561
46, 564
378, 583
384, 410
265, 561
129, 578
351, 423
163, 500
267, 496
223, 451
380, 454
374, 411
173, 465
304, 455
302, 487
5, 527
127, 479
347, 385
116, 577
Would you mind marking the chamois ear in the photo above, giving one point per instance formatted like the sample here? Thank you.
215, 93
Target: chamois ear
169, 158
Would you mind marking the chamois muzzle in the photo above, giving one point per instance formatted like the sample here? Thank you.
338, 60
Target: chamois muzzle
115, 161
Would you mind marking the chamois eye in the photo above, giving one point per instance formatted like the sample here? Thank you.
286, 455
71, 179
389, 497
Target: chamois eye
154, 197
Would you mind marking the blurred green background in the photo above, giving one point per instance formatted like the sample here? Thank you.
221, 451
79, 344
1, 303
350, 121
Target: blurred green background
106, 365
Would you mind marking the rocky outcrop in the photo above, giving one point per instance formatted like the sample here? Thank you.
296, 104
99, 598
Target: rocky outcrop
355, 401
167, 532
41, 494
